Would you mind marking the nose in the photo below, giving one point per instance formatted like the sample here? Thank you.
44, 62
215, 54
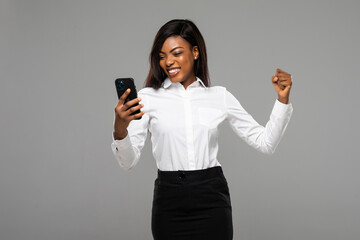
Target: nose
169, 61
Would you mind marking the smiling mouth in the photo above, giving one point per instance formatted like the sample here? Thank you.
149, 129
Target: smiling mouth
173, 71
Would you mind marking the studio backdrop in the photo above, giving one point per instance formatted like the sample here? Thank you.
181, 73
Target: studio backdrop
59, 59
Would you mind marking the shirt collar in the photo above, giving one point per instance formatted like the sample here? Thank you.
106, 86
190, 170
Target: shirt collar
167, 82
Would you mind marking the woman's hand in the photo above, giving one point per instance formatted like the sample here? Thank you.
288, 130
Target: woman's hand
282, 82
122, 115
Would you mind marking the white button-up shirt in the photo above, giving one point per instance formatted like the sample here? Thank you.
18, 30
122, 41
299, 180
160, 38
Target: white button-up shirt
183, 126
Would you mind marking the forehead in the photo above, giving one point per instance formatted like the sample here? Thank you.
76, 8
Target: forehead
173, 42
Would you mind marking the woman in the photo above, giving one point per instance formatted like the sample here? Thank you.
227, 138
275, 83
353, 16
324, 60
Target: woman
182, 114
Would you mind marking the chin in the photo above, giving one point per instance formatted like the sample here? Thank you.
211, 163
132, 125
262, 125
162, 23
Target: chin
176, 79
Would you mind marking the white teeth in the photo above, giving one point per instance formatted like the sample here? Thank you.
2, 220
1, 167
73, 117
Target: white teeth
171, 71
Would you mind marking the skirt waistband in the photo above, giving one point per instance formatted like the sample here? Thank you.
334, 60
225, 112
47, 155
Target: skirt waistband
190, 175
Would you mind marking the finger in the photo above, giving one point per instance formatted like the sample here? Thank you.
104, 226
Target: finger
281, 74
278, 70
274, 79
285, 82
140, 114
130, 103
124, 96
281, 86
285, 85
275, 84
133, 109
284, 79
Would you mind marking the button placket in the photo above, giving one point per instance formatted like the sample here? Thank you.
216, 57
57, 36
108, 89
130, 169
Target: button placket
189, 129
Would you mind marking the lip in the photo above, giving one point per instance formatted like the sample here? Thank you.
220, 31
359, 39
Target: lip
173, 73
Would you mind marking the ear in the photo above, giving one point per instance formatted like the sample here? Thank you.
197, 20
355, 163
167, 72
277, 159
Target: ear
195, 51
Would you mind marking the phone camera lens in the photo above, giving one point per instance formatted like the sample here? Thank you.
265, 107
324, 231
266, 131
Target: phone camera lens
121, 85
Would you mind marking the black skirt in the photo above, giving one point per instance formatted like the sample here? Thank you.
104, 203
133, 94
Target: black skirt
192, 205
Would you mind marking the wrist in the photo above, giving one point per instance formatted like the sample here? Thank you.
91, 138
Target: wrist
283, 100
119, 135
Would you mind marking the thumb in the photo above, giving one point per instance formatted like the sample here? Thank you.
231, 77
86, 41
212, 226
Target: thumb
287, 90
275, 84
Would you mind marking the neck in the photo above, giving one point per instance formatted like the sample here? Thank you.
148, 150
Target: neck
187, 83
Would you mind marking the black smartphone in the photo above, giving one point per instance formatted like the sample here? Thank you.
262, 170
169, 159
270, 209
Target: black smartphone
122, 84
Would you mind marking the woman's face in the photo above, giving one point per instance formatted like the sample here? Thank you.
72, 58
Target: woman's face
177, 58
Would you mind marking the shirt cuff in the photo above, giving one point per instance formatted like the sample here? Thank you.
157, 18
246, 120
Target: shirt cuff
282, 109
121, 144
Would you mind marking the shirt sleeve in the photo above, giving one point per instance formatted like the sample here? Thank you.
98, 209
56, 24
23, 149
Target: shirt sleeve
264, 139
127, 151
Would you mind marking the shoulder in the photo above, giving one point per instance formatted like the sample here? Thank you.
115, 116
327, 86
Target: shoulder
225, 94
149, 94
147, 91
216, 89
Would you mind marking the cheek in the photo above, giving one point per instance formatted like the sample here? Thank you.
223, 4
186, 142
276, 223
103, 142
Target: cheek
162, 66
186, 61
189, 63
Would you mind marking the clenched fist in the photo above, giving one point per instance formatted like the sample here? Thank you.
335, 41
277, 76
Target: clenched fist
282, 82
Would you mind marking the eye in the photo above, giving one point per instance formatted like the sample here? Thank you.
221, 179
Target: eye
177, 53
161, 57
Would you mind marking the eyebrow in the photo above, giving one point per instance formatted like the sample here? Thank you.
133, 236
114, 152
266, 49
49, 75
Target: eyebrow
171, 50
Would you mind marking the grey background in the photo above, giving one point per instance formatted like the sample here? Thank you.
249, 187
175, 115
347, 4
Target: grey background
59, 59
